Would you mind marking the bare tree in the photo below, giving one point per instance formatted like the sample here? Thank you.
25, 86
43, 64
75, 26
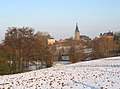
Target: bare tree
19, 45
76, 52
46, 54
103, 47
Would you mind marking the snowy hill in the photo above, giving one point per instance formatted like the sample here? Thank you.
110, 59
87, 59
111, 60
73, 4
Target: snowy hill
95, 74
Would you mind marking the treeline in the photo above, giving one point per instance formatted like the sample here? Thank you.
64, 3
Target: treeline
102, 47
21, 47
106, 46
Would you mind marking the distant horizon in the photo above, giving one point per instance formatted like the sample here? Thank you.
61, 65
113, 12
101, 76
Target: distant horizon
59, 17
69, 36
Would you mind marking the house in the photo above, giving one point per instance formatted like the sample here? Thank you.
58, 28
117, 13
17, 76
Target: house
109, 35
50, 40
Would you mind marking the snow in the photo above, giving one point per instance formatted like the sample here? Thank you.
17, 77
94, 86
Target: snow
95, 74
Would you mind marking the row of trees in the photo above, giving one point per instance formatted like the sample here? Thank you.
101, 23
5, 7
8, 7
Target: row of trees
22, 47
101, 47
106, 47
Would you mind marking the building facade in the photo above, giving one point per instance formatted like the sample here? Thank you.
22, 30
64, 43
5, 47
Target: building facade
51, 41
109, 35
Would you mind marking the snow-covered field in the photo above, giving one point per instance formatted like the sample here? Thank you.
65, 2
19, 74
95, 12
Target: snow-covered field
95, 74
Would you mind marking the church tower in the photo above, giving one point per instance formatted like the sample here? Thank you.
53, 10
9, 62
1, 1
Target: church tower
77, 33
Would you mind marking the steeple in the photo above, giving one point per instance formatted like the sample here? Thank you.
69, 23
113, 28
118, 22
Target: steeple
77, 29
77, 33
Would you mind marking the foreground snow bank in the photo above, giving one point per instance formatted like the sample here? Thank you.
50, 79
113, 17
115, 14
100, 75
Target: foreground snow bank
96, 74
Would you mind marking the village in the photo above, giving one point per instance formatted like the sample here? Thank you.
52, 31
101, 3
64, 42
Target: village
44, 51
83, 48
59, 44
82, 43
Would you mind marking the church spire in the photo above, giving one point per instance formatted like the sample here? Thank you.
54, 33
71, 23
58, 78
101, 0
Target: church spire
77, 29
77, 33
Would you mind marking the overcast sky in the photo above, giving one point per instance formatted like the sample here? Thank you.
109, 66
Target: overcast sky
58, 17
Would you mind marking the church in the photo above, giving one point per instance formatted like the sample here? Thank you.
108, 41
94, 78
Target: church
77, 35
